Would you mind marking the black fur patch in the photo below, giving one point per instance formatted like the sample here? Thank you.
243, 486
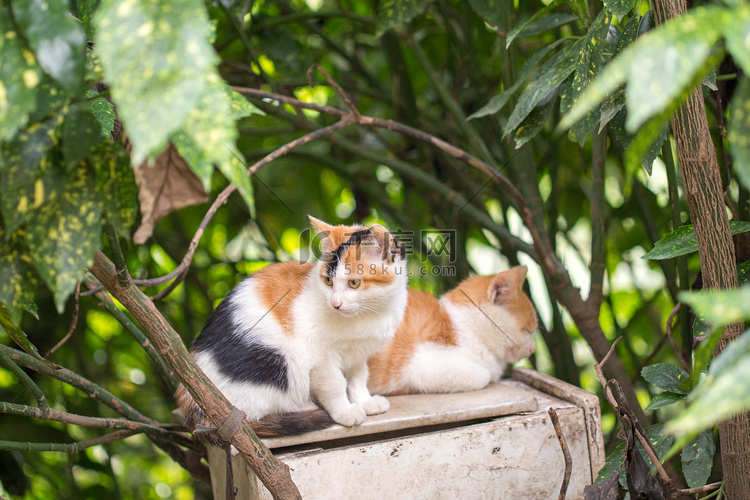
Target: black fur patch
334, 257
238, 355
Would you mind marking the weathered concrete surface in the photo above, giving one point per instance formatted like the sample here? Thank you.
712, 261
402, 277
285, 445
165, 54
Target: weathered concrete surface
515, 455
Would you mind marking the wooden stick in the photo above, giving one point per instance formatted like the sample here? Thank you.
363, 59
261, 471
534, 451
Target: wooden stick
566, 452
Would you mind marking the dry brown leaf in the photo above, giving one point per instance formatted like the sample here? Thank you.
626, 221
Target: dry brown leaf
165, 186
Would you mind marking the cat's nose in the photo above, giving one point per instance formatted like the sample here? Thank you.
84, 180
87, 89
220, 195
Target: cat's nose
336, 304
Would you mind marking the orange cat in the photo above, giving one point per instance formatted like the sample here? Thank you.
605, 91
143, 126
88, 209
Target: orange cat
461, 342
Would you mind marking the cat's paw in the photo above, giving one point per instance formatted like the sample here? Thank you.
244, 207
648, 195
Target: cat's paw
352, 415
376, 405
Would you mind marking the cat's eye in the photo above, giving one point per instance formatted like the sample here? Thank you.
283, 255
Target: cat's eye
355, 283
328, 280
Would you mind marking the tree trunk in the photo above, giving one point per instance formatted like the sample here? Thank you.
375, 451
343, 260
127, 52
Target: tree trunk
700, 172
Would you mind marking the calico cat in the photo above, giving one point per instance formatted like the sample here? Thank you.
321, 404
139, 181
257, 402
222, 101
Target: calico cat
293, 333
461, 342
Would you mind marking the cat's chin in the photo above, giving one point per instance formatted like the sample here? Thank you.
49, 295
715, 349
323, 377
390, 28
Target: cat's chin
347, 313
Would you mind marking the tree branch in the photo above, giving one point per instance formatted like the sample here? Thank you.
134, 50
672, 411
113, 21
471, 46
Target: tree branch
7, 363
597, 265
274, 474
67, 447
161, 367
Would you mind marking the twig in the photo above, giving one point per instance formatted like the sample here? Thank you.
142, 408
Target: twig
161, 367
189, 459
347, 101
701, 489
73, 323
34, 389
685, 365
566, 452
602, 380
67, 447
56, 415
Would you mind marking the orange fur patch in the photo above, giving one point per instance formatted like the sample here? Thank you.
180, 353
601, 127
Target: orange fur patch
278, 285
476, 290
424, 321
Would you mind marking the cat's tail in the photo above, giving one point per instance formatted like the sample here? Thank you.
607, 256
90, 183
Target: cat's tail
276, 425
292, 424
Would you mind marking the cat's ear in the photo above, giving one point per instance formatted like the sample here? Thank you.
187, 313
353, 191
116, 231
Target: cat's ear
387, 246
324, 232
506, 286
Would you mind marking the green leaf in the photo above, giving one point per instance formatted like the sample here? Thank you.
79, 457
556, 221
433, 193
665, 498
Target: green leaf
158, 62
620, 7
116, 186
80, 135
664, 399
647, 143
589, 63
18, 282
18, 335
682, 241
489, 10
19, 78
657, 67
518, 29
545, 85
720, 307
27, 177
236, 172
207, 135
497, 102
531, 126
57, 39
698, 459
739, 131
65, 235
658, 438
721, 394
393, 14
737, 36
239, 106
103, 110
665, 376
743, 272
544, 23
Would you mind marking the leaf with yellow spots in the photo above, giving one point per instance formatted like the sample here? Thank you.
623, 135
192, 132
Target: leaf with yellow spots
17, 71
589, 63
56, 38
392, 14
658, 67
18, 282
239, 106
739, 131
545, 84
620, 7
28, 177
65, 235
698, 459
206, 141
19, 336
80, 135
723, 392
116, 186
103, 110
682, 241
158, 62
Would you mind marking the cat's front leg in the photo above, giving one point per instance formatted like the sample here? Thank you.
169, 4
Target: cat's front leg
328, 387
359, 393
